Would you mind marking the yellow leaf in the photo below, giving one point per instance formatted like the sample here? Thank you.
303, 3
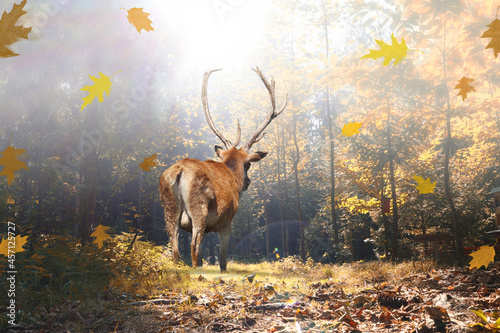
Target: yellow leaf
139, 19
465, 87
101, 85
11, 163
9, 31
148, 162
100, 235
424, 185
19, 242
395, 51
351, 128
482, 257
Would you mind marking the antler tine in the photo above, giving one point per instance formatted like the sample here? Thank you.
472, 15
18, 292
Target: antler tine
238, 134
271, 88
208, 117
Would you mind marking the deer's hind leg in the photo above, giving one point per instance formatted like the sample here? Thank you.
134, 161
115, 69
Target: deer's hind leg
198, 212
173, 210
199, 219
172, 220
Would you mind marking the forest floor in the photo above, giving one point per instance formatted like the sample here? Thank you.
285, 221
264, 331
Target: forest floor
289, 296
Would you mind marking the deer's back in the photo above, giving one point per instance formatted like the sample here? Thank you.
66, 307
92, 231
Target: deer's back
195, 182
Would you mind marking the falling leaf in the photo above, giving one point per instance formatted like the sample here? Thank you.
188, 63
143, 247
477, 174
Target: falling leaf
482, 257
100, 234
395, 51
101, 85
11, 163
351, 128
148, 162
424, 185
9, 31
19, 242
139, 19
465, 87
494, 33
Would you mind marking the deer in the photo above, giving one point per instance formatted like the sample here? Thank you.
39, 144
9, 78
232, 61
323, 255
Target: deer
203, 196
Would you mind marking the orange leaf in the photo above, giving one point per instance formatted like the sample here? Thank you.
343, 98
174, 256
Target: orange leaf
424, 185
494, 33
9, 31
139, 19
465, 87
351, 128
11, 163
100, 234
18, 247
482, 257
148, 162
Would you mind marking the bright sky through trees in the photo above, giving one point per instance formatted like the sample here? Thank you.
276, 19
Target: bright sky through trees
218, 33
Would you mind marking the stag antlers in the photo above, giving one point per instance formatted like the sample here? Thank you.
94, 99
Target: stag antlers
259, 132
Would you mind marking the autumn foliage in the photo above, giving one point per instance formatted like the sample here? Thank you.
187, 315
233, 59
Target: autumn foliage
392, 132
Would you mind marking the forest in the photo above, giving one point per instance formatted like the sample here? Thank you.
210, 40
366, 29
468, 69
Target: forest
389, 144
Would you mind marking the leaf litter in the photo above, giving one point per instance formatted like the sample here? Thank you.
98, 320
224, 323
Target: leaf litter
310, 299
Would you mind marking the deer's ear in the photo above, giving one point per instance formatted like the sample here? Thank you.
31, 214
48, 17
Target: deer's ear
257, 156
219, 150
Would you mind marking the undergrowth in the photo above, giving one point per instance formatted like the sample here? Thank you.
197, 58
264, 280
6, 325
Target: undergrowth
58, 272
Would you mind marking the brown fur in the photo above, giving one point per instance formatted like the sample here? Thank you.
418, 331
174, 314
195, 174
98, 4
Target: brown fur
203, 196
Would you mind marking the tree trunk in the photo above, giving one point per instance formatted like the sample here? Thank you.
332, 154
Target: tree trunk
265, 200
280, 197
395, 217
449, 197
211, 249
139, 206
350, 243
447, 156
40, 211
88, 152
330, 139
385, 220
297, 187
285, 208
87, 197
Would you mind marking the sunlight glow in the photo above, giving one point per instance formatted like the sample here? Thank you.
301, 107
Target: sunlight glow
219, 33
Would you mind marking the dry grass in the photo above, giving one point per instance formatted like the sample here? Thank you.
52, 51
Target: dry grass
292, 274
362, 275
152, 272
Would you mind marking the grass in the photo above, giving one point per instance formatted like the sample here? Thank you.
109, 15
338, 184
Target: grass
293, 274
91, 277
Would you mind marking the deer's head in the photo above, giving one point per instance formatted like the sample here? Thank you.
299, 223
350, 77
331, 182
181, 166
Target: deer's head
239, 160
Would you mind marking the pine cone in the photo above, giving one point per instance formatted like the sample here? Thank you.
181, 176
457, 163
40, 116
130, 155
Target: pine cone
391, 301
